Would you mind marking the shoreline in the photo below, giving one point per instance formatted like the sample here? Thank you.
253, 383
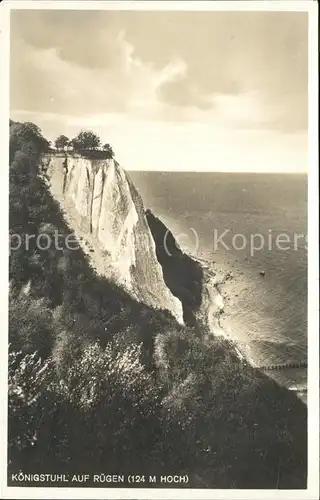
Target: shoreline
214, 278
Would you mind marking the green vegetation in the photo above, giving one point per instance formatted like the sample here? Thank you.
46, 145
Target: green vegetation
99, 382
106, 147
27, 139
86, 140
62, 142
86, 143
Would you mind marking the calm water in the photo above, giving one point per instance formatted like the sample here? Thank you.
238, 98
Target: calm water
267, 315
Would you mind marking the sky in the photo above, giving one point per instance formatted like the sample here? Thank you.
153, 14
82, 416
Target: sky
190, 91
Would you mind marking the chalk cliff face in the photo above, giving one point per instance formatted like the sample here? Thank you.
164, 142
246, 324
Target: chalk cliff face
106, 212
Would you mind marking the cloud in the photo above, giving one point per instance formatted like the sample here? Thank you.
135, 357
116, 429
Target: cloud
236, 70
232, 54
41, 80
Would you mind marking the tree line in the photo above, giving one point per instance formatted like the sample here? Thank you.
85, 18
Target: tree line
86, 140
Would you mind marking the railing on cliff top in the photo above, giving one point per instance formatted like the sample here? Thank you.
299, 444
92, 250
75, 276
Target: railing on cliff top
92, 154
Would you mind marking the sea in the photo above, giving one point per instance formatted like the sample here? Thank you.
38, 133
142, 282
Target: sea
252, 228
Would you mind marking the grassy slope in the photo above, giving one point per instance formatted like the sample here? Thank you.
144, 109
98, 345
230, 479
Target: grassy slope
172, 404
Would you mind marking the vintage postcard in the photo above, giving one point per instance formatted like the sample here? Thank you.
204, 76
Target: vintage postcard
159, 296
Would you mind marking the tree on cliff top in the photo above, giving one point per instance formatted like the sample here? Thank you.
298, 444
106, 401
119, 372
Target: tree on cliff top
108, 149
26, 137
86, 140
61, 142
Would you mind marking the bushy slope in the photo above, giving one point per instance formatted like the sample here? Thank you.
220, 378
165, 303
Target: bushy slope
122, 387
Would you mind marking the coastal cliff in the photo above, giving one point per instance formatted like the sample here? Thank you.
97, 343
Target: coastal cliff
106, 212
86, 359
192, 281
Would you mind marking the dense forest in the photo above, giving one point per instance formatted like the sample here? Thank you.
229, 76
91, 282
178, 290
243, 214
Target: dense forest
100, 382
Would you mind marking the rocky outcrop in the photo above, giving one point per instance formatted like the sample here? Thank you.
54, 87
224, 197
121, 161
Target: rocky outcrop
106, 212
182, 274
194, 282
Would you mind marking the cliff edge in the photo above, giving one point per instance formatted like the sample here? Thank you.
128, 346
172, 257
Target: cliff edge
107, 214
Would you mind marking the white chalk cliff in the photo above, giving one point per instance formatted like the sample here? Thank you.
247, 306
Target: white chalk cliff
106, 211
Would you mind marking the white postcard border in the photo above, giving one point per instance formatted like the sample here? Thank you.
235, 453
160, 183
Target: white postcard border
312, 490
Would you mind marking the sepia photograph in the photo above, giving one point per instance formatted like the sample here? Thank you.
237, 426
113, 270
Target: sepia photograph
158, 314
